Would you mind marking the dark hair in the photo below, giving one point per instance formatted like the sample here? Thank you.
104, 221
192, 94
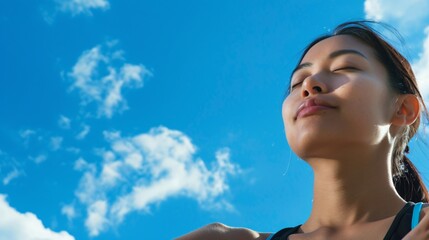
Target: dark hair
406, 178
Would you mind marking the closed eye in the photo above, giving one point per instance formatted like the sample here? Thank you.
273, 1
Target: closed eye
346, 68
295, 85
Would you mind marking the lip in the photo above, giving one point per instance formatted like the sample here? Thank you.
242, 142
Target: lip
312, 106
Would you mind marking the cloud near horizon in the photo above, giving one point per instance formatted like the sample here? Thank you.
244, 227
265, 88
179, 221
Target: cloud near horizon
143, 170
18, 226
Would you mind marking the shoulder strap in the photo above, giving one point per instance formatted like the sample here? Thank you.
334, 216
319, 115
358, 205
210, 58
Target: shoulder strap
401, 224
284, 233
416, 214
395, 229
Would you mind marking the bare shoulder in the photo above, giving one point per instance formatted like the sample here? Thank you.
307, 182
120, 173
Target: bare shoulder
219, 231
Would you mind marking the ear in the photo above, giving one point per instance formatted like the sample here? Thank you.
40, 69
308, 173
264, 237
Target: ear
407, 110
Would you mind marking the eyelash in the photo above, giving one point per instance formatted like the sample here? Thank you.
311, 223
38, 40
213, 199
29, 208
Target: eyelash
346, 68
295, 85
338, 69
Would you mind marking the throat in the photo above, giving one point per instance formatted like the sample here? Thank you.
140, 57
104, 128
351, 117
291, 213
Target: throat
372, 230
345, 195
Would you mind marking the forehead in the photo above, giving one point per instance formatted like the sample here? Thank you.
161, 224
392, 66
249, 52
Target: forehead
323, 48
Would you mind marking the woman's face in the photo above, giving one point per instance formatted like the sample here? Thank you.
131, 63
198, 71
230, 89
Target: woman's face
339, 99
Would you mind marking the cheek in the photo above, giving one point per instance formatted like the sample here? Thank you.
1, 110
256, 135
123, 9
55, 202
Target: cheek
287, 111
367, 100
288, 114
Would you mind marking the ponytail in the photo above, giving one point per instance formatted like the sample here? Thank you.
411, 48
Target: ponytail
409, 184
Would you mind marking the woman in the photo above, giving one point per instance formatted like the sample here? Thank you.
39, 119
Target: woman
352, 107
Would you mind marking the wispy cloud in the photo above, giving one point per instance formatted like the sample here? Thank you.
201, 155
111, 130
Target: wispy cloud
11, 175
100, 76
64, 122
26, 135
82, 134
33, 138
10, 168
56, 143
17, 226
39, 143
76, 7
145, 170
39, 158
72, 7
70, 211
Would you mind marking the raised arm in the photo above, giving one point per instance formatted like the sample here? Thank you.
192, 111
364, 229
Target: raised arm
219, 231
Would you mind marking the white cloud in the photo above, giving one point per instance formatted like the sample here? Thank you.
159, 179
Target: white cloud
409, 14
88, 189
141, 171
69, 210
105, 90
39, 158
25, 226
73, 150
421, 68
82, 134
64, 122
10, 176
110, 173
96, 220
56, 143
27, 133
82, 165
10, 168
76, 7
373, 9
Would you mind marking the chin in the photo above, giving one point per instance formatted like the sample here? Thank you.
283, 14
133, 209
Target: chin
311, 144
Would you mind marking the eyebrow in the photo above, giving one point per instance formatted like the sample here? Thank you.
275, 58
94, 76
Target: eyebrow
332, 55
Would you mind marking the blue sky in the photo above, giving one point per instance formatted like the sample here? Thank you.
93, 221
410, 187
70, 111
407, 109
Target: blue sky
148, 119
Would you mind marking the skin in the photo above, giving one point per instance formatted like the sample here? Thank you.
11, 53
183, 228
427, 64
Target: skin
348, 145
219, 231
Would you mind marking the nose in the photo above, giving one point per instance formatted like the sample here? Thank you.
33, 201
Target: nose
312, 85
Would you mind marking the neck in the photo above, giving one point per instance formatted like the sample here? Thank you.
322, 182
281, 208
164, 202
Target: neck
352, 190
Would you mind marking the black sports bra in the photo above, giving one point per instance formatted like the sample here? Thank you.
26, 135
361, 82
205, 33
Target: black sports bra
406, 219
